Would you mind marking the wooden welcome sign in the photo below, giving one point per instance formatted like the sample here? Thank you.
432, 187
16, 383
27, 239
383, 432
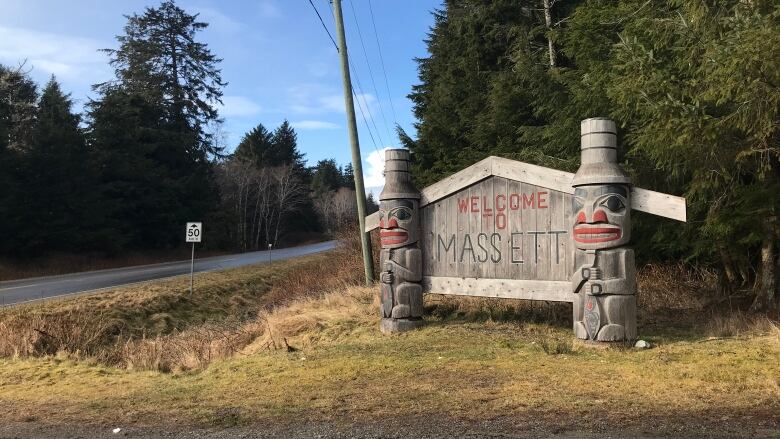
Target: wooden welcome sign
503, 228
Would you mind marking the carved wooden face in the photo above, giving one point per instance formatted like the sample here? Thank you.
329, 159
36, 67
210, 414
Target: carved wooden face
602, 216
398, 223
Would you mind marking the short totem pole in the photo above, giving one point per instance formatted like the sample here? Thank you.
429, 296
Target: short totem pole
604, 281
400, 258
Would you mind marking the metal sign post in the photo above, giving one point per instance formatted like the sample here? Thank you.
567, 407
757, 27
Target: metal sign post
193, 234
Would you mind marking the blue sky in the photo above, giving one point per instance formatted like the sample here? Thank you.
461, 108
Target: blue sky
278, 61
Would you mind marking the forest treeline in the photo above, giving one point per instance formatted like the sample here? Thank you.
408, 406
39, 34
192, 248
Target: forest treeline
147, 156
693, 86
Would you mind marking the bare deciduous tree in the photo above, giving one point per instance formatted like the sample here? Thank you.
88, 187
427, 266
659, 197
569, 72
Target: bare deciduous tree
336, 209
260, 199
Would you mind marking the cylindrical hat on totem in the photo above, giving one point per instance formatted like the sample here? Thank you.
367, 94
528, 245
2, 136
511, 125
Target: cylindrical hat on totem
398, 180
598, 165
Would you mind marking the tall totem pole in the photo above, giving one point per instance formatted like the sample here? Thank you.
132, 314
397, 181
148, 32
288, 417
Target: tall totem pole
604, 281
400, 259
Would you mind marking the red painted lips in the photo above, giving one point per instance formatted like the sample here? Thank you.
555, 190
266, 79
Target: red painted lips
590, 235
393, 237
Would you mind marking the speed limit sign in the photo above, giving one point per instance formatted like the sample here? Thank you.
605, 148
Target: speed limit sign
194, 232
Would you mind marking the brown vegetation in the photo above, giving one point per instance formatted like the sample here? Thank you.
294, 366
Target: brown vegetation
299, 340
161, 327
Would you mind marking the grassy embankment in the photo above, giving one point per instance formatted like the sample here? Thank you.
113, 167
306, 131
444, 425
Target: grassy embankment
476, 359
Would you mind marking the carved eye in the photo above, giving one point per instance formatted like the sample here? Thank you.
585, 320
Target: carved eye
613, 203
403, 214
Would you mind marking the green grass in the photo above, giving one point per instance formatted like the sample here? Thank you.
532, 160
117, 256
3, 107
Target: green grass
345, 370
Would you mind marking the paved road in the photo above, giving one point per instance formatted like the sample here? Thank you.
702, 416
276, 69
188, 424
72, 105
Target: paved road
25, 290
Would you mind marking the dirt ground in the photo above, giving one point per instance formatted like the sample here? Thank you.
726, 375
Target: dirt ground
434, 427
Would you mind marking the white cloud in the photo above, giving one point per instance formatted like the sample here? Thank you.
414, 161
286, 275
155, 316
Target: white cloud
315, 99
238, 106
374, 172
68, 57
314, 125
218, 21
319, 99
269, 9
319, 69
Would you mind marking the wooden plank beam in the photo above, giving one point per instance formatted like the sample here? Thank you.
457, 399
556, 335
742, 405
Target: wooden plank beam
656, 203
643, 200
552, 291
532, 174
457, 181
372, 222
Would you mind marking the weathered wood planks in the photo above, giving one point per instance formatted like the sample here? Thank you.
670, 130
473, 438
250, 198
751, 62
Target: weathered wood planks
552, 291
656, 203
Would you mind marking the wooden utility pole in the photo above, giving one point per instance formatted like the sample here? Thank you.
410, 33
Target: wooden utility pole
357, 166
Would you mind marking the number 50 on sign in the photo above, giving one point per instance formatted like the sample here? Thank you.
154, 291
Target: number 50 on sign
194, 232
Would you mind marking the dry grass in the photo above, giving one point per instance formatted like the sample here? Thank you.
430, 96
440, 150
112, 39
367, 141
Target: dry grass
343, 315
161, 326
674, 287
342, 369
739, 323
476, 358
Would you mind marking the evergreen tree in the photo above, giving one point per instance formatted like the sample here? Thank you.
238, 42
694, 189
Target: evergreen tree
271, 149
348, 177
470, 102
159, 58
692, 84
371, 204
18, 97
147, 129
57, 196
326, 177
697, 86
257, 146
143, 201
285, 143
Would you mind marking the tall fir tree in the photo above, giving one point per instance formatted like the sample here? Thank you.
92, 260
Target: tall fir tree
141, 198
18, 100
285, 143
326, 177
257, 147
467, 104
18, 106
348, 176
168, 84
696, 83
159, 57
58, 192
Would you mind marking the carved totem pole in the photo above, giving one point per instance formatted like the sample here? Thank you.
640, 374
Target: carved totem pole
400, 259
604, 282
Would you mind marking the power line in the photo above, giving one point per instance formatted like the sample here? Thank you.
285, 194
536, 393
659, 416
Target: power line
382, 62
323, 25
370, 71
330, 8
365, 121
355, 95
365, 101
